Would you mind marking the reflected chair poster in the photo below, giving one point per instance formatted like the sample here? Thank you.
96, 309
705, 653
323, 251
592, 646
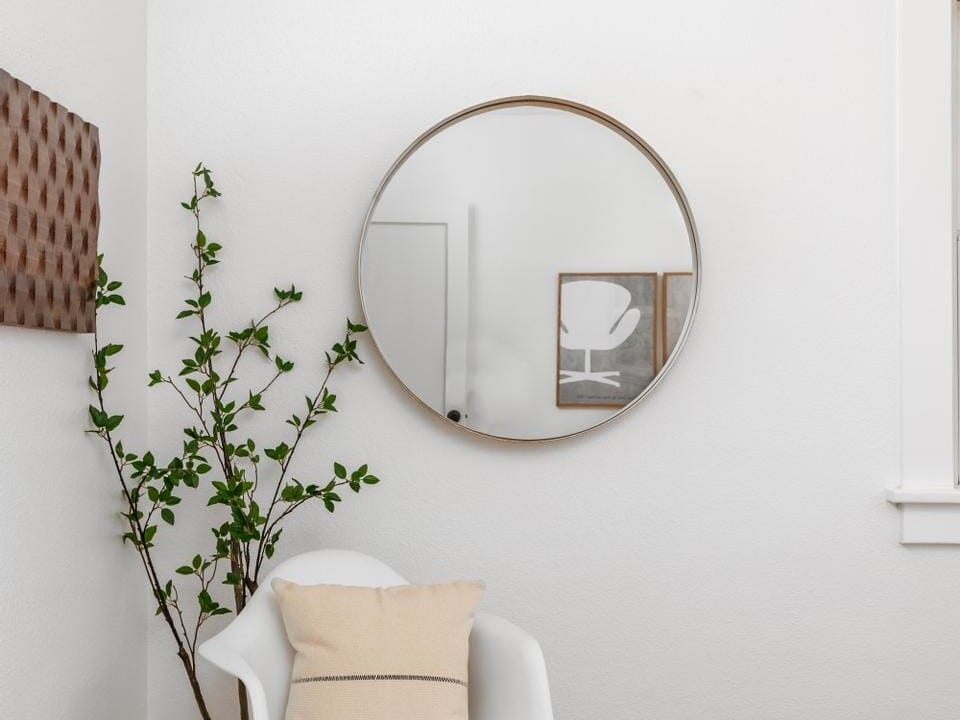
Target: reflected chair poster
606, 337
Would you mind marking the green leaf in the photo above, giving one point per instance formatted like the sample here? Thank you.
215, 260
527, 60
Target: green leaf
278, 453
185, 570
167, 515
98, 417
371, 480
339, 470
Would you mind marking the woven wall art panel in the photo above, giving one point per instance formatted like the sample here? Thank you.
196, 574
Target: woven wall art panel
49, 211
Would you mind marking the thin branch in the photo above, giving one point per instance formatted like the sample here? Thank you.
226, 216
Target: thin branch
196, 411
243, 345
143, 549
294, 505
284, 467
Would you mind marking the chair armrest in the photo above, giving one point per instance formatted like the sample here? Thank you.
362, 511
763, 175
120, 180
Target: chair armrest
221, 653
508, 676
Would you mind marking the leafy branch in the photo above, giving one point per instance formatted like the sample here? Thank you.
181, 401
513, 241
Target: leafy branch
255, 489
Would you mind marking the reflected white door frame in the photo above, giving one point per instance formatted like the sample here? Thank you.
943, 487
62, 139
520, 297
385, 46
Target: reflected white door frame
454, 216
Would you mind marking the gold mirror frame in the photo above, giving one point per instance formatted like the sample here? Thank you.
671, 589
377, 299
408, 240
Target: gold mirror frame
605, 120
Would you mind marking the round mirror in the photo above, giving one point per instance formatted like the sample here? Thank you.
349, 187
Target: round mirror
529, 268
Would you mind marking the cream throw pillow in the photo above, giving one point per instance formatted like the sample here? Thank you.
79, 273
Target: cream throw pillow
397, 653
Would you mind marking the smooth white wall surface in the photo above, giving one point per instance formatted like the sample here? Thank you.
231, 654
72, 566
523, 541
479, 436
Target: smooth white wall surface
72, 602
724, 551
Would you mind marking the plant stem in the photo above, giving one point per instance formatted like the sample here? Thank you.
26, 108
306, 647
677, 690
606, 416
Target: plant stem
236, 559
190, 666
246, 538
143, 549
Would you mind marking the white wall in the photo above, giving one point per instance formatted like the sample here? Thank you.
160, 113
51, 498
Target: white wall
724, 551
72, 603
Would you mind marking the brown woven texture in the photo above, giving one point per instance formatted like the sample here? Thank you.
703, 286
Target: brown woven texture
49, 211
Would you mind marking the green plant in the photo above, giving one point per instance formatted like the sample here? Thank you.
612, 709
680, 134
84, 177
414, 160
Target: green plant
253, 487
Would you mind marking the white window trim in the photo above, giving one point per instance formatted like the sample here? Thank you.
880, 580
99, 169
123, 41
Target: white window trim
927, 494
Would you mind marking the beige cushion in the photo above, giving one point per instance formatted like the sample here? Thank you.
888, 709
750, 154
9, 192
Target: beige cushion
397, 653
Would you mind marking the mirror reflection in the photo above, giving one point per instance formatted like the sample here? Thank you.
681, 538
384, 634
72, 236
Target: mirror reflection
528, 270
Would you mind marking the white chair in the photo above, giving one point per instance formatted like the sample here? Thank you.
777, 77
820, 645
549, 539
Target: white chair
508, 677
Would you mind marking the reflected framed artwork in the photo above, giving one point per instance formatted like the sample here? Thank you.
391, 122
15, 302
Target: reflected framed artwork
606, 337
676, 290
